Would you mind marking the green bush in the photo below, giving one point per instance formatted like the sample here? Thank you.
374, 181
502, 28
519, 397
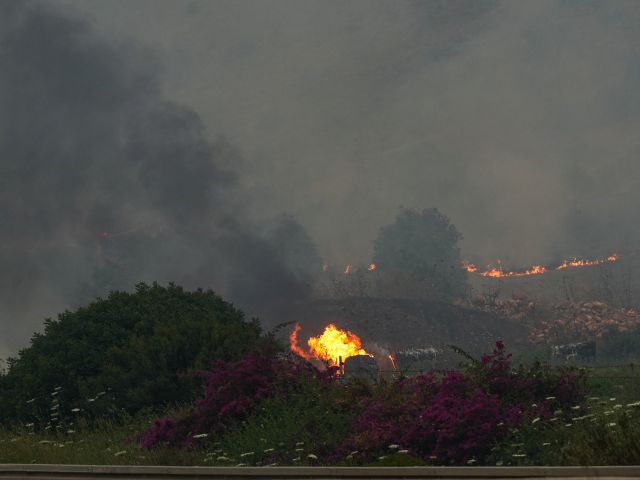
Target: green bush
127, 352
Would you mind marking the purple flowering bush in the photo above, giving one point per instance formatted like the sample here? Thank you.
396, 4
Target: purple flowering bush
233, 391
456, 418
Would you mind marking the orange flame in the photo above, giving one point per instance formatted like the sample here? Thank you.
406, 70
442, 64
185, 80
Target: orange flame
497, 272
331, 346
293, 342
393, 362
469, 267
576, 262
371, 267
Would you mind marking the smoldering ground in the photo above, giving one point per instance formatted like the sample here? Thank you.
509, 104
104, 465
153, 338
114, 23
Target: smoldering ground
105, 183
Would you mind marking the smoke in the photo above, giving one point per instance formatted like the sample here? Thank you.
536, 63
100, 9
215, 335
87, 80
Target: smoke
515, 119
106, 183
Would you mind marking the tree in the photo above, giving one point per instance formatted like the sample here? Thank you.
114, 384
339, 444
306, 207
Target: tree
128, 351
424, 244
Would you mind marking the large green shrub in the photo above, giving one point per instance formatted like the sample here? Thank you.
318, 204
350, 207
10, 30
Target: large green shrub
128, 351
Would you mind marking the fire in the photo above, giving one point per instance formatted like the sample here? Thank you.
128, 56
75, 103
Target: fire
333, 345
371, 267
293, 342
498, 272
469, 267
576, 262
393, 362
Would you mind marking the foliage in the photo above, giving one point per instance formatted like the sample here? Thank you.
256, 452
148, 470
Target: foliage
424, 244
233, 391
456, 418
137, 349
269, 408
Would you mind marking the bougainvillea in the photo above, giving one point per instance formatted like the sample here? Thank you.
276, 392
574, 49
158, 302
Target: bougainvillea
448, 418
457, 417
232, 392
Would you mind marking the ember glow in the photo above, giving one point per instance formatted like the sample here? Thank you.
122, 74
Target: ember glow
498, 272
371, 267
333, 345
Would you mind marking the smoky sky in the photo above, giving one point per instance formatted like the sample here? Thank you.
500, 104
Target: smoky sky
518, 120
106, 183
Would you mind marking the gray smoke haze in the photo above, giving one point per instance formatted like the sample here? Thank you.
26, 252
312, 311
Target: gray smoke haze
518, 120
105, 183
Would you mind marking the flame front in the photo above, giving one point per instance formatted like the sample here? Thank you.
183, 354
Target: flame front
498, 272
331, 346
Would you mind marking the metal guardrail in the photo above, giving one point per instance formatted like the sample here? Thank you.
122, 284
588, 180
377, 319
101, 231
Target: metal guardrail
98, 472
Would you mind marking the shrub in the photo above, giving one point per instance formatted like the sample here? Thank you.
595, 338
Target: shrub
233, 391
458, 417
139, 348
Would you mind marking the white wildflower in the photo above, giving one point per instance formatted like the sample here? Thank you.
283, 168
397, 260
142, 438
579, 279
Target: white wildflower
201, 435
519, 455
311, 456
299, 449
546, 444
75, 410
403, 451
382, 457
535, 420
268, 450
550, 398
222, 459
120, 453
299, 444
247, 454
612, 424
394, 446
241, 465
